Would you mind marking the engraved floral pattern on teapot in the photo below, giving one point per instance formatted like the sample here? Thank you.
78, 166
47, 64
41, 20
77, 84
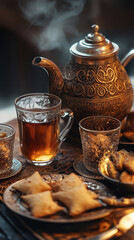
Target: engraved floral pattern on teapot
94, 82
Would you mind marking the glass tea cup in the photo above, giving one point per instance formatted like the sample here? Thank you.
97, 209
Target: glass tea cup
99, 135
7, 135
39, 117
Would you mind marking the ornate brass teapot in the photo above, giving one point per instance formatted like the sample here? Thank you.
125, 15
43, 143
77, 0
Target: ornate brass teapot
94, 82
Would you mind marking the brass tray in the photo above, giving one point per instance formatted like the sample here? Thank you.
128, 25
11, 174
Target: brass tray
12, 200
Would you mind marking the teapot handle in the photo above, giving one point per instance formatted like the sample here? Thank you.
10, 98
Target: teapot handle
127, 58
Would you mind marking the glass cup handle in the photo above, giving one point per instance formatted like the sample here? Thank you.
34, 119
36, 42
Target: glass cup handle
66, 113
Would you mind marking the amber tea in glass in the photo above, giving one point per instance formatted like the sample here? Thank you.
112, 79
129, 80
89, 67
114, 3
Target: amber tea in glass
39, 126
40, 140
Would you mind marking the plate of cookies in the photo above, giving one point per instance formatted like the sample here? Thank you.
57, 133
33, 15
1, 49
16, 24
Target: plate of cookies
118, 169
127, 129
57, 198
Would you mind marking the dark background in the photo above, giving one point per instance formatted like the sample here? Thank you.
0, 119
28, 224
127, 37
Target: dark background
19, 29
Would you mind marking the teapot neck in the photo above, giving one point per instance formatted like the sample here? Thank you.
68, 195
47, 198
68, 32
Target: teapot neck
86, 61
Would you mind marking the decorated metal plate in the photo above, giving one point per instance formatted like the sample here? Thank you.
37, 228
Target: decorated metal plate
80, 168
16, 168
120, 186
12, 200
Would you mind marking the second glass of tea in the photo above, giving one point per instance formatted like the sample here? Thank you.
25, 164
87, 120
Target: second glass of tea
38, 117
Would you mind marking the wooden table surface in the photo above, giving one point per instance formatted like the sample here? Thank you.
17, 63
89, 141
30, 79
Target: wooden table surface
14, 227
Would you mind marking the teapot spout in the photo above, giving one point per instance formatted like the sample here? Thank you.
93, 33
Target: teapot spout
56, 81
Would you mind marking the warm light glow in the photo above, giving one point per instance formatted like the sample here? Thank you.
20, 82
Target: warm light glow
106, 159
105, 165
44, 158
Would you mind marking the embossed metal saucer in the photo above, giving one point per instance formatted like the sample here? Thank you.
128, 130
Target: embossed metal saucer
80, 168
16, 168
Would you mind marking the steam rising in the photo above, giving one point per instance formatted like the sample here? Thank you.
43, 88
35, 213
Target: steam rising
54, 18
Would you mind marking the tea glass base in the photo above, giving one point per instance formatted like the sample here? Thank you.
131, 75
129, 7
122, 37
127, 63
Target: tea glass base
7, 169
91, 168
40, 163
16, 168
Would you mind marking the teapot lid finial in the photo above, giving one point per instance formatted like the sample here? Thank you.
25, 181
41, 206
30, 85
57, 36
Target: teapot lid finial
94, 45
95, 28
94, 36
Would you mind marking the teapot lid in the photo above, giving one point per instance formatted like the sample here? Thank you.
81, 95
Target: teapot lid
95, 45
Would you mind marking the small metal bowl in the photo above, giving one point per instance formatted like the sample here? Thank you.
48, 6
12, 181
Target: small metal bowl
119, 186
